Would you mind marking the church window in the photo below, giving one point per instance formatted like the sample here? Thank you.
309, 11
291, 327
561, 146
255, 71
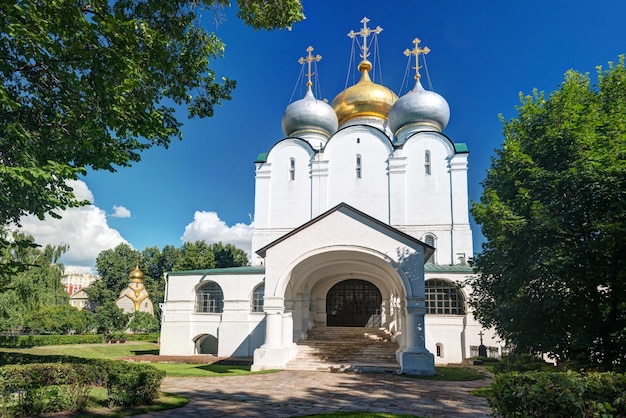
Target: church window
210, 298
258, 295
292, 169
358, 166
427, 162
443, 298
439, 350
430, 240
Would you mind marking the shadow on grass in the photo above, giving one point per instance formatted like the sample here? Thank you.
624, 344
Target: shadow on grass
224, 368
144, 352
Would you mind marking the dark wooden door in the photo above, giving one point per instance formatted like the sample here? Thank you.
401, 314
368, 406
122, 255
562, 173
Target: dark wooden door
352, 303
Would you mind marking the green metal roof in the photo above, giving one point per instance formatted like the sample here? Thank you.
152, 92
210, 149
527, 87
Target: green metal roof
428, 268
222, 271
261, 158
449, 268
461, 148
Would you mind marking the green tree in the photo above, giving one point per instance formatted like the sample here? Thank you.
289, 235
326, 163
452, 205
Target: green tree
113, 266
196, 255
143, 322
93, 84
228, 255
109, 319
62, 319
552, 272
36, 286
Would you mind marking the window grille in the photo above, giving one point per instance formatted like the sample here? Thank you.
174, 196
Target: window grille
210, 298
443, 298
258, 295
430, 240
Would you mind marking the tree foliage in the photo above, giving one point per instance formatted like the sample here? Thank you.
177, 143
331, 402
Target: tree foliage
93, 84
109, 319
115, 265
33, 288
552, 275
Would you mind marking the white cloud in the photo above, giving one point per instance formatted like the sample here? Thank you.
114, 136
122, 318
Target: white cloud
84, 229
120, 212
81, 191
207, 226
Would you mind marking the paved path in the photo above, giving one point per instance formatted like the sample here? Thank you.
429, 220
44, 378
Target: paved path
297, 393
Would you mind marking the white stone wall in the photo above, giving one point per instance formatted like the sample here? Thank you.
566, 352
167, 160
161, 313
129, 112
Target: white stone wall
238, 329
394, 187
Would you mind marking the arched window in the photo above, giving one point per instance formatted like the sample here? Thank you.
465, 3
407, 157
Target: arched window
210, 298
427, 162
443, 298
257, 298
292, 169
430, 240
358, 166
439, 350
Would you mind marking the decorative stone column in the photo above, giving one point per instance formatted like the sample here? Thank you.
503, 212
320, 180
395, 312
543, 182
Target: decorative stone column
415, 358
273, 354
287, 339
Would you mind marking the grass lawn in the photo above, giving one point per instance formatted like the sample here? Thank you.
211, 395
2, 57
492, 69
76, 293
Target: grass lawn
105, 351
97, 405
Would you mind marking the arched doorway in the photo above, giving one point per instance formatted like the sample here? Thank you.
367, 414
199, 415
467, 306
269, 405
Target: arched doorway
353, 303
206, 344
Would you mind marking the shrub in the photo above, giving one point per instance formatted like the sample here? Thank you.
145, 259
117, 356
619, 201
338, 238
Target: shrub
519, 363
55, 387
152, 337
566, 394
42, 340
45, 387
130, 384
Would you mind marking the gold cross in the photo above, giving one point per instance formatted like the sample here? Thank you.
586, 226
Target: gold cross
417, 51
310, 59
365, 32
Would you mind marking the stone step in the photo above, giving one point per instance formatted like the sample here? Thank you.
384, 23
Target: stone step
346, 349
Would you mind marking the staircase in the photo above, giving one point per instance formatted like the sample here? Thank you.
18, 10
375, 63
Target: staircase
346, 349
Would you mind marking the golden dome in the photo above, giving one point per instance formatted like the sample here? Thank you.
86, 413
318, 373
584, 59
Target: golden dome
364, 99
135, 276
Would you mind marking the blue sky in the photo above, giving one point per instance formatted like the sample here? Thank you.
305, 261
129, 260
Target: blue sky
483, 54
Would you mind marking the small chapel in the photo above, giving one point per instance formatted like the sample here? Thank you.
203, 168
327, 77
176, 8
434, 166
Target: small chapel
361, 235
134, 297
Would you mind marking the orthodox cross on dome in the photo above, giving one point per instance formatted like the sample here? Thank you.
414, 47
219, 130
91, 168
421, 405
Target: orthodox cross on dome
417, 51
365, 32
309, 60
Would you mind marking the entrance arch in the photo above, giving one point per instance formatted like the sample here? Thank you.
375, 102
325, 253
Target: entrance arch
353, 303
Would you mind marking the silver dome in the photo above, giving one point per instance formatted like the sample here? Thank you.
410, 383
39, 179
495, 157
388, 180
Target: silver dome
309, 115
421, 109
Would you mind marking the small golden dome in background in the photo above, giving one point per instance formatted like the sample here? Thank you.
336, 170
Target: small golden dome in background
136, 275
364, 99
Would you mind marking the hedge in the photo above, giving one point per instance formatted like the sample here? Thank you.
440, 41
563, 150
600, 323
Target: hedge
33, 389
40, 340
559, 394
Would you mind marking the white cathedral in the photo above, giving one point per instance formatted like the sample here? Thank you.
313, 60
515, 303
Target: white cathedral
360, 220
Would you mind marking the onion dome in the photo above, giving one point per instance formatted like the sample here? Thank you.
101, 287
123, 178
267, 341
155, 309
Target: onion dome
309, 115
136, 276
364, 99
421, 109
